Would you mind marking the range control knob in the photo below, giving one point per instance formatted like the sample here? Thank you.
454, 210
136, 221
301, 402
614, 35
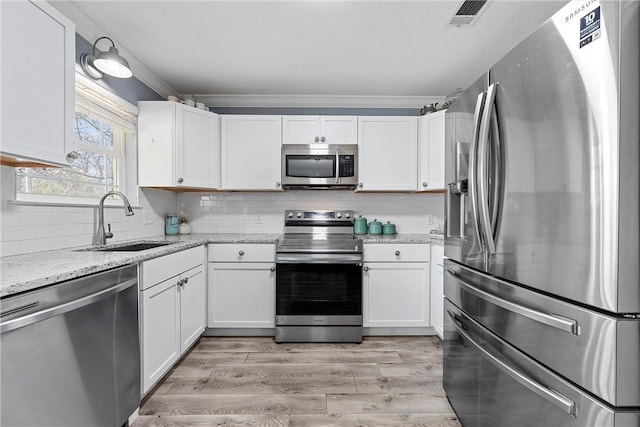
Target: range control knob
299, 215
347, 215
338, 215
290, 215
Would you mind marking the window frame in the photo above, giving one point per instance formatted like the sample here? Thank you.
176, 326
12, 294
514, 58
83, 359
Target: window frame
104, 101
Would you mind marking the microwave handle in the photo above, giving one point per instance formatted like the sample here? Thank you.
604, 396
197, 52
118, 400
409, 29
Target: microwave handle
337, 166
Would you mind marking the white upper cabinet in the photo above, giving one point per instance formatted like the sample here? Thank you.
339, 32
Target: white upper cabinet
431, 152
251, 152
319, 130
178, 146
388, 151
38, 87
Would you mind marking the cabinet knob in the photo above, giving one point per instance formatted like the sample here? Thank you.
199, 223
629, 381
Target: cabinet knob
424, 184
272, 269
366, 269
397, 253
322, 139
185, 280
179, 283
316, 139
277, 183
70, 157
180, 180
360, 185
241, 253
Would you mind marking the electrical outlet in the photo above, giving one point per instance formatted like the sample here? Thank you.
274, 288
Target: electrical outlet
258, 217
148, 218
429, 219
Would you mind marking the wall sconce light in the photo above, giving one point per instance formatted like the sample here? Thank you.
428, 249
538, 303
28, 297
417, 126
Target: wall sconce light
109, 62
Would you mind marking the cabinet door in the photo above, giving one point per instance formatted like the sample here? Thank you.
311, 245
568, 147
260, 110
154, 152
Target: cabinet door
198, 148
37, 81
241, 295
388, 148
156, 143
251, 152
437, 289
396, 294
160, 307
300, 129
431, 151
339, 129
192, 307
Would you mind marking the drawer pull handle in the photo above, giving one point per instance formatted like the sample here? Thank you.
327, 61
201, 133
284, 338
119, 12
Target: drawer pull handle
555, 321
556, 398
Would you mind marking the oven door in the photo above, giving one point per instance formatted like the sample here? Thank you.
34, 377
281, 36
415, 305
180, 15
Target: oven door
319, 289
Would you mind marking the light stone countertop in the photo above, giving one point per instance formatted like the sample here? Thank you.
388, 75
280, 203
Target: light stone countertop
400, 238
20, 273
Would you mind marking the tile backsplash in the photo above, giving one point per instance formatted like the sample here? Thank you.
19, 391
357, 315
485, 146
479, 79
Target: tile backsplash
264, 212
26, 228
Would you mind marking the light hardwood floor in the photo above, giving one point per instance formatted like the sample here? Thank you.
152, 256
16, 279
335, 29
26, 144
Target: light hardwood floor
385, 381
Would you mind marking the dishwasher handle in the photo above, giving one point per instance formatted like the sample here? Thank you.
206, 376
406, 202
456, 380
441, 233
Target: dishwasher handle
66, 307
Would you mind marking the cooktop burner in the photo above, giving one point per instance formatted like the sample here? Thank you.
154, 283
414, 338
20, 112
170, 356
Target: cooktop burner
319, 231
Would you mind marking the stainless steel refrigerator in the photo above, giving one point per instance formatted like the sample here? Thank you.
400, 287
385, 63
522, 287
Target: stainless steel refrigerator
542, 284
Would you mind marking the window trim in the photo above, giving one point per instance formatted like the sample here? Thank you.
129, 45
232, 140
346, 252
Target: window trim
93, 92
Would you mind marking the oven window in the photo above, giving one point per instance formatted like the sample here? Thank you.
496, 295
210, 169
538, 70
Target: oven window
318, 289
305, 166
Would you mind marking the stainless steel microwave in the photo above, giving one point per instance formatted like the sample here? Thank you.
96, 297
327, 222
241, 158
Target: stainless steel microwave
319, 166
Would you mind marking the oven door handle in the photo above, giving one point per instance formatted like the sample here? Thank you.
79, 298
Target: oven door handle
298, 258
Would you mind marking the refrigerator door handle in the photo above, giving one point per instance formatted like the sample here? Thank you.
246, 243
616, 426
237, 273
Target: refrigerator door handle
558, 399
559, 322
500, 154
483, 169
473, 168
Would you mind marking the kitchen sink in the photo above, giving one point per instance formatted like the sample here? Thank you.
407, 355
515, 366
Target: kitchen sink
133, 247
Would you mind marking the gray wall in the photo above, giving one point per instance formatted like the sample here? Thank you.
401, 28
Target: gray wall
132, 89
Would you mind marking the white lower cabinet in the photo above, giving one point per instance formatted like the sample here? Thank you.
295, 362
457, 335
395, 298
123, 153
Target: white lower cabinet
437, 289
242, 285
172, 308
396, 285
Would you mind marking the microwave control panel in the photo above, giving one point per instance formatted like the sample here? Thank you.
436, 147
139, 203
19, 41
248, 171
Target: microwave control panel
346, 167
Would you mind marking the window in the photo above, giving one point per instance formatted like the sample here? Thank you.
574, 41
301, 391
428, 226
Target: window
104, 140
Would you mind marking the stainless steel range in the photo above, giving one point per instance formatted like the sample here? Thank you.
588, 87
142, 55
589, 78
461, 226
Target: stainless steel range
319, 278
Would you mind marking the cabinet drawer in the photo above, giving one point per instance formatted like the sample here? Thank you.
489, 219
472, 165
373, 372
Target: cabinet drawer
402, 252
158, 269
242, 252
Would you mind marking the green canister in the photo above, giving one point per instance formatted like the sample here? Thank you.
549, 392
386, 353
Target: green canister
388, 228
375, 227
360, 225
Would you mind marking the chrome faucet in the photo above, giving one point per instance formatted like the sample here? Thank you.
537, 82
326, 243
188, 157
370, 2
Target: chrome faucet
128, 211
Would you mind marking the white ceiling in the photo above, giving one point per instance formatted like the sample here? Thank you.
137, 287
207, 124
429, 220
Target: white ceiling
315, 48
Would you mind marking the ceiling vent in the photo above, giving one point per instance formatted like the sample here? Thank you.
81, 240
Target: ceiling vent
468, 13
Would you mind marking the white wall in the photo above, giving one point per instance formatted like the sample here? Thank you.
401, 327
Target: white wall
238, 212
33, 228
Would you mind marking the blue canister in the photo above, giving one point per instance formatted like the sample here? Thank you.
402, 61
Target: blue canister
171, 224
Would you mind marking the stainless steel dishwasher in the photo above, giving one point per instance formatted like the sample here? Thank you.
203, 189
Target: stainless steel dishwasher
71, 353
